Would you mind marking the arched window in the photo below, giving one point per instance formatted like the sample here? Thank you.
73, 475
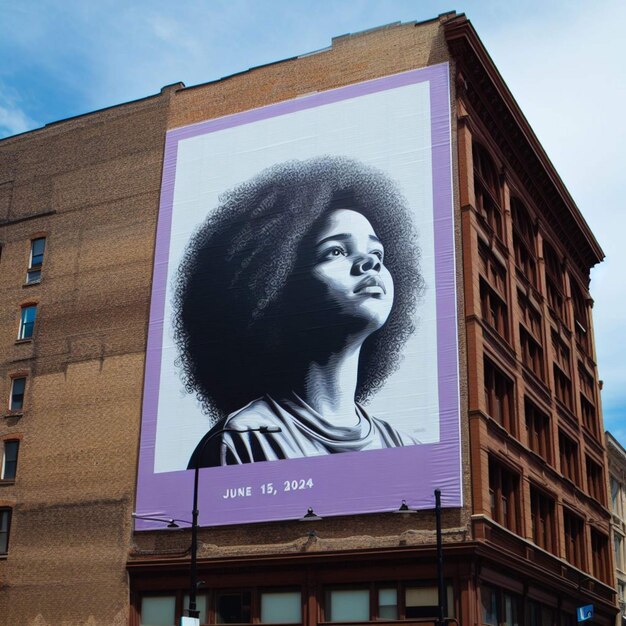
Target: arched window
524, 243
487, 189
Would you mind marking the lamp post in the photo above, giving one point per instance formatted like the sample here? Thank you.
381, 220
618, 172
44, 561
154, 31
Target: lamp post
192, 611
441, 589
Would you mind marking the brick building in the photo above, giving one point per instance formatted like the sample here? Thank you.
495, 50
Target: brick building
617, 481
79, 203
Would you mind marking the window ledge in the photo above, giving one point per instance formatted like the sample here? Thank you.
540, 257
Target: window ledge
4, 482
11, 414
27, 340
31, 283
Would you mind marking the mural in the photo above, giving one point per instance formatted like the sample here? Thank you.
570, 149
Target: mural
302, 343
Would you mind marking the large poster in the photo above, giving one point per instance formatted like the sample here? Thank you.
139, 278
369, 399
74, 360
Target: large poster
302, 345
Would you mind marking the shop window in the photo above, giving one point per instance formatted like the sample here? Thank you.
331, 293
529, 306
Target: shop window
388, 603
524, 241
9, 459
499, 397
581, 317
554, 282
499, 607
562, 372
543, 520
600, 555
384, 602
493, 299
27, 321
37, 248
233, 607
538, 431
281, 607
595, 480
487, 190
504, 496
158, 610
18, 389
574, 531
538, 614
568, 456
347, 605
5, 528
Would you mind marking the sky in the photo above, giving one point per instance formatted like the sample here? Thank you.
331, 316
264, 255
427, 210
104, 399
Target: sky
563, 62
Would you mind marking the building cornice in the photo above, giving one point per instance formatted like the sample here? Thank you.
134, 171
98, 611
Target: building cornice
480, 84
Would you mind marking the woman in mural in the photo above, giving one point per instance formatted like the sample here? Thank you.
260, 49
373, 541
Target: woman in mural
293, 301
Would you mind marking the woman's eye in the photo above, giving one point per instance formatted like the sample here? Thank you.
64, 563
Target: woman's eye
335, 252
378, 253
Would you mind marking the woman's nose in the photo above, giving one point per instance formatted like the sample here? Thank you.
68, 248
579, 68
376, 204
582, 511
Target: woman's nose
366, 263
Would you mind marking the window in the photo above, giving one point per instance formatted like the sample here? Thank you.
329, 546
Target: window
388, 603
27, 321
617, 549
281, 607
385, 601
233, 606
587, 400
347, 605
615, 490
542, 520
574, 539
37, 247
562, 372
595, 480
524, 244
600, 555
504, 496
568, 456
487, 189
530, 336
493, 292
581, 317
538, 431
18, 388
554, 282
493, 309
538, 614
158, 610
9, 460
499, 607
499, 397
5, 527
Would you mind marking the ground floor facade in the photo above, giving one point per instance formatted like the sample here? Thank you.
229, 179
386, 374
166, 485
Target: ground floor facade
485, 585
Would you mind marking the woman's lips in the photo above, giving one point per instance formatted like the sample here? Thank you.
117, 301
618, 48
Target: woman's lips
371, 285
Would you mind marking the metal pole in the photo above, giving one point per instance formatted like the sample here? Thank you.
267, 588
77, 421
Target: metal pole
441, 600
192, 611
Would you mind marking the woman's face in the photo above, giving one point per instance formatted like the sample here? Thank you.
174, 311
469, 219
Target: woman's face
349, 266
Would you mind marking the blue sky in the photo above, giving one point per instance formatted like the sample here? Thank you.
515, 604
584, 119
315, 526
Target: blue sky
563, 61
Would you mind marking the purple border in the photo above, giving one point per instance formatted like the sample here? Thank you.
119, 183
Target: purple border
416, 469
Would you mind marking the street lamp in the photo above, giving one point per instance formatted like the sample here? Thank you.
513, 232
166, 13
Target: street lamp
441, 588
192, 611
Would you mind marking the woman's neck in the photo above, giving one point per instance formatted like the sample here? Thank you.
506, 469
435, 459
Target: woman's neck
330, 387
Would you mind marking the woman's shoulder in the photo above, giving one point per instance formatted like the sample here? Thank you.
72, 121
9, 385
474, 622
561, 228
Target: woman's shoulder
259, 412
